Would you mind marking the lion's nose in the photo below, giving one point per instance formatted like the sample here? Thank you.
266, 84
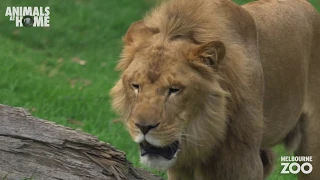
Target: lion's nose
145, 128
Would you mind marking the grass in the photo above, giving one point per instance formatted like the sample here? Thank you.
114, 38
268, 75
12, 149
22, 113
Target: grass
64, 73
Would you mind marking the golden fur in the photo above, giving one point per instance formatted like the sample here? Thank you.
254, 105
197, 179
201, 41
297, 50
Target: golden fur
226, 61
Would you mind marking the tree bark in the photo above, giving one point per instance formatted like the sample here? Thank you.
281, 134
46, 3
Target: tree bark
39, 149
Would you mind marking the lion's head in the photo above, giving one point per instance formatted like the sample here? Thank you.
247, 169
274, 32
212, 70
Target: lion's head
173, 93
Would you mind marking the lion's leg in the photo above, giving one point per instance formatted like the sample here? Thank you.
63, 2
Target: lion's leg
230, 165
238, 157
310, 145
267, 158
180, 173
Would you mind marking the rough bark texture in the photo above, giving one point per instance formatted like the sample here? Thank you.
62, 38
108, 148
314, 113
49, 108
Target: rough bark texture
31, 147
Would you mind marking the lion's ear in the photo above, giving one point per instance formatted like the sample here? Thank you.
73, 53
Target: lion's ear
137, 31
211, 53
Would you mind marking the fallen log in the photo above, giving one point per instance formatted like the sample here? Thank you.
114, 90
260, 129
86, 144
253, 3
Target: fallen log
37, 149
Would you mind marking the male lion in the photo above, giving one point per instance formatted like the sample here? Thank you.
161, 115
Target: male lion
208, 87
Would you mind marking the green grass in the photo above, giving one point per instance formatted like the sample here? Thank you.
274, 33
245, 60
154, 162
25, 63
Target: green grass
40, 67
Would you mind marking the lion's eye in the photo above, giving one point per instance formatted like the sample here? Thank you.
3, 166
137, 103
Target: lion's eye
135, 87
173, 91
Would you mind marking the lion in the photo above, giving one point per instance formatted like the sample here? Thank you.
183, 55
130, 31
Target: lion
208, 87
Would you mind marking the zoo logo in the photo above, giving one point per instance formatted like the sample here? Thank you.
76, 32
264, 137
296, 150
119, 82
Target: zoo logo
294, 167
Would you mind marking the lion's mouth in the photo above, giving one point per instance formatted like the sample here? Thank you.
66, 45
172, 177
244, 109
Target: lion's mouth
167, 152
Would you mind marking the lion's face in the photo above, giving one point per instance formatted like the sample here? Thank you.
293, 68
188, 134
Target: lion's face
166, 94
161, 93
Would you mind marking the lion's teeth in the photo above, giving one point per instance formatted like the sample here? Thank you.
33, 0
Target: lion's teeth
176, 154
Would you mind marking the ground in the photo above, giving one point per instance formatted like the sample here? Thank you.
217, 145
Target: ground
64, 73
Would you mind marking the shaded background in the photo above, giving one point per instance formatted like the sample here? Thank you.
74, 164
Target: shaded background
64, 73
